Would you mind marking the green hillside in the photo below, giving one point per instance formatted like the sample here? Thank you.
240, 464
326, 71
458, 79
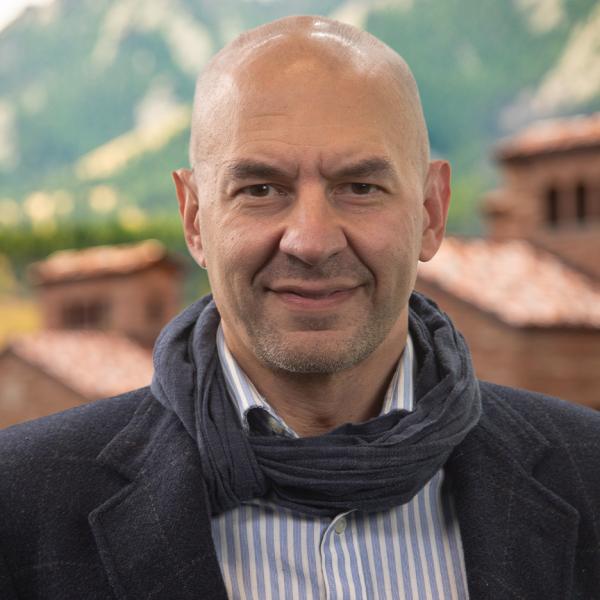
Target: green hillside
472, 60
94, 94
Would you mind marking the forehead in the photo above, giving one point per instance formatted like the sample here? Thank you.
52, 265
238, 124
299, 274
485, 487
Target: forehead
305, 105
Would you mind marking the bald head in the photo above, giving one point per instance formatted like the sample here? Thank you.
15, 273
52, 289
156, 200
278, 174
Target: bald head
313, 47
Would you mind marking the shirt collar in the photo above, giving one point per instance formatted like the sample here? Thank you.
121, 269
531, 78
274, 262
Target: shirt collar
246, 397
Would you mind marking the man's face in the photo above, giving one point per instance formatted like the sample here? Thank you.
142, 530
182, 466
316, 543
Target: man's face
310, 217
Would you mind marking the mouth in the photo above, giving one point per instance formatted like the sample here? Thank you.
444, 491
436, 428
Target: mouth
313, 296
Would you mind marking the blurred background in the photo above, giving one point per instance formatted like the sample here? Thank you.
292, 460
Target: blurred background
95, 102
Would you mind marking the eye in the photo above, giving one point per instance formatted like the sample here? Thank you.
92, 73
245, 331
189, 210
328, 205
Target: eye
259, 190
358, 188
362, 189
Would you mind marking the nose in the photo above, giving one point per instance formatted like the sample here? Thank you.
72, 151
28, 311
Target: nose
313, 232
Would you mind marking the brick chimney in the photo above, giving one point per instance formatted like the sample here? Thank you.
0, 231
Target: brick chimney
551, 193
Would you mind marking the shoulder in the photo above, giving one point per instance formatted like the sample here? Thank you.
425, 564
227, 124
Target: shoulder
49, 472
561, 439
83, 430
50, 481
557, 420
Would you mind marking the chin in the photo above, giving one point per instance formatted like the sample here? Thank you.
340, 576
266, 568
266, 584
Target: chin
325, 355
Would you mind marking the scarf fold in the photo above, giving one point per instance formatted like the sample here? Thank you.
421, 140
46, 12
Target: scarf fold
369, 466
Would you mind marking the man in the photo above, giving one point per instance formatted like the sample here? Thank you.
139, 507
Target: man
316, 430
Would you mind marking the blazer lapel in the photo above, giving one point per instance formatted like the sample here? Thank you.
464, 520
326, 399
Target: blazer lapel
514, 530
154, 535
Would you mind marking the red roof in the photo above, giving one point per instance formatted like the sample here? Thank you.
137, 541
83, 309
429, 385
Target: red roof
93, 363
553, 135
67, 265
521, 285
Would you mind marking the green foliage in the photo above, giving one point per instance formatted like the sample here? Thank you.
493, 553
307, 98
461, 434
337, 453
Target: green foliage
21, 246
26, 244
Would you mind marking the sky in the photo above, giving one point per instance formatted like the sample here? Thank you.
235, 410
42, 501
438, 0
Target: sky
10, 9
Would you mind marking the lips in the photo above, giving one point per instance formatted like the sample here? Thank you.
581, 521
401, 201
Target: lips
311, 292
312, 296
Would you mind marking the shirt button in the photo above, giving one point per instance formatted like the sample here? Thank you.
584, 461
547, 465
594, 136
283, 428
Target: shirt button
276, 427
340, 526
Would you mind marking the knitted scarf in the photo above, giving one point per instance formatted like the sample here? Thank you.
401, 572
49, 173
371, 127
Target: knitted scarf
368, 466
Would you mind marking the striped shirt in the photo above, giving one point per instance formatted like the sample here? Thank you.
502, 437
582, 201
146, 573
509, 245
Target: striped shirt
266, 551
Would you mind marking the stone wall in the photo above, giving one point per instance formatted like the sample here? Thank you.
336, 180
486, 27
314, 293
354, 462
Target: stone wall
558, 362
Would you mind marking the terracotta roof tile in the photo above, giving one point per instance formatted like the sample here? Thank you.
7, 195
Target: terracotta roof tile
96, 261
93, 363
521, 285
552, 135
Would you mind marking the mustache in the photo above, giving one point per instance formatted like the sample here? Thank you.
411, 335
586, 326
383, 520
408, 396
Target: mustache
337, 267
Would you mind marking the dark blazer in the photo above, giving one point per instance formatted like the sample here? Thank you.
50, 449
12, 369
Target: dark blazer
108, 501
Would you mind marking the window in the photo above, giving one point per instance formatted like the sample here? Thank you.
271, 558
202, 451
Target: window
155, 310
85, 314
73, 315
581, 203
552, 200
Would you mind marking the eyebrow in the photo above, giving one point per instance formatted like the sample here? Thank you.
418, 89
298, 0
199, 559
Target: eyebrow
253, 169
366, 168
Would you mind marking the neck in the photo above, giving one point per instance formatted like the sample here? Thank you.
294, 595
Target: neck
312, 404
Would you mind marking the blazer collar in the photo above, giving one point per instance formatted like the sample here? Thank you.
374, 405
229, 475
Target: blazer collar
515, 532
154, 535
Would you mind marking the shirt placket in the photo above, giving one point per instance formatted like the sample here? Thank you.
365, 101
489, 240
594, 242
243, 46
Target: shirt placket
335, 559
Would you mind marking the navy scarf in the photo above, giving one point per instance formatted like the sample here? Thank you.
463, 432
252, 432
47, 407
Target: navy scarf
369, 466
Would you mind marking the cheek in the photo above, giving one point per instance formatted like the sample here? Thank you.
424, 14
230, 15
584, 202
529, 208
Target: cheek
238, 249
221, 239
389, 247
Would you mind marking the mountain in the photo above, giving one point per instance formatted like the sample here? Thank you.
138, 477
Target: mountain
95, 94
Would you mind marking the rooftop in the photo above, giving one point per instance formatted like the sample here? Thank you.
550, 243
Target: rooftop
68, 265
94, 364
552, 135
516, 282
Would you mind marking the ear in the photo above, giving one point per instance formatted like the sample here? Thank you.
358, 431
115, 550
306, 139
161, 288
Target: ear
435, 208
187, 196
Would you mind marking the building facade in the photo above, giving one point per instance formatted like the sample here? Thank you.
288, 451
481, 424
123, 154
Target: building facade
102, 309
527, 296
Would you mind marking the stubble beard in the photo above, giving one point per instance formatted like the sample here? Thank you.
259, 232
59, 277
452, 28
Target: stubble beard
322, 356
273, 342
